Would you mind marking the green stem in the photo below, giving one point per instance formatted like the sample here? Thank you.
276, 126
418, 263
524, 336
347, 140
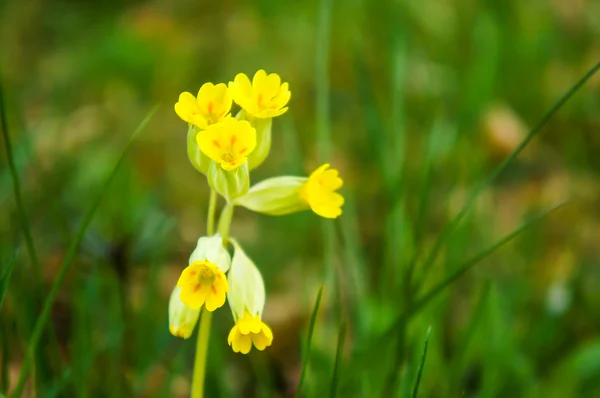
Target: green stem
225, 222
201, 354
212, 205
206, 316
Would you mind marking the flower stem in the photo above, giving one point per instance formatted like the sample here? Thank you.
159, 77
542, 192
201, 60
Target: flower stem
212, 205
201, 354
206, 316
225, 222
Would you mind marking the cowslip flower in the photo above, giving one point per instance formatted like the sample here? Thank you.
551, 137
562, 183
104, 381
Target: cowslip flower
247, 301
203, 283
228, 142
265, 97
319, 192
182, 319
212, 105
287, 194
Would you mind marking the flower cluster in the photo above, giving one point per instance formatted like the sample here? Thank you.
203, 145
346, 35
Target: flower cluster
226, 148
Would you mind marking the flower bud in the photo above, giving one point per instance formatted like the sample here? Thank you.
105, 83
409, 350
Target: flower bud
211, 248
182, 319
275, 196
198, 159
229, 183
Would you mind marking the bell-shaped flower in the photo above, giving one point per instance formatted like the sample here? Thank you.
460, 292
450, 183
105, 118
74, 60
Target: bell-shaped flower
264, 97
247, 301
212, 105
319, 192
284, 195
182, 319
228, 143
203, 282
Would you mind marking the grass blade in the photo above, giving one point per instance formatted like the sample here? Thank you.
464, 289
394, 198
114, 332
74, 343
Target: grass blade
311, 329
66, 263
498, 170
23, 218
6, 277
338, 361
467, 265
323, 125
434, 292
421, 365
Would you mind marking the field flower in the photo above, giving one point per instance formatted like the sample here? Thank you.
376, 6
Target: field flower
319, 192
203, 283
247, 301
265, 97
212, 105
287, 194
247, 331
228, 142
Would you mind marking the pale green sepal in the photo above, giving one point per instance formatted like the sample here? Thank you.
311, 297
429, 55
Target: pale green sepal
263, 142
211, 248
182, 319
198, 159
246, 285
229, 184
275, 196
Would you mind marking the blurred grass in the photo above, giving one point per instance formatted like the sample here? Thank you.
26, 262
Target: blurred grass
415, 105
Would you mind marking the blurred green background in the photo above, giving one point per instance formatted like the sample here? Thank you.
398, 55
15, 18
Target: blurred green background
414, 102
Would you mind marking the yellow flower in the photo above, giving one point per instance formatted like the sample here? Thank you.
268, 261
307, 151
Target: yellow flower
319, 193
203, 283
247, 331
211, 106
265, 97
228, 142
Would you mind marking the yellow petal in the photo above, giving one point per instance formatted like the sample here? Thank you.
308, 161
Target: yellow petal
214, 299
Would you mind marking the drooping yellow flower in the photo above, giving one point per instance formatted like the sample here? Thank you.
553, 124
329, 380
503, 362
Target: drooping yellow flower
247, 301
265, 97
203, 282
247, 331
211, 106
319, 193
228, 142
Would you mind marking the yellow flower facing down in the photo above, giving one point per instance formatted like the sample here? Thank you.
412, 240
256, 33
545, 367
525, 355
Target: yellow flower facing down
265, 97
247, 331
228, 142
202, 282
319, 192
212, 105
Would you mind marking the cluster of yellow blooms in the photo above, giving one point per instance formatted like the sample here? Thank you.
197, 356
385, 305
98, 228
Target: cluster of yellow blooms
226, 149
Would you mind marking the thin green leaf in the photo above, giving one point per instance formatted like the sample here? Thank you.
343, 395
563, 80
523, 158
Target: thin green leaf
323, 123
66, 263
311, 329
426, 299
53, 353
498, 170
421, 365
434, 292
335, 379
22, 213
6, 276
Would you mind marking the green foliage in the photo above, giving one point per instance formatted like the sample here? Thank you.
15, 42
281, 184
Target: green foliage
456, 129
